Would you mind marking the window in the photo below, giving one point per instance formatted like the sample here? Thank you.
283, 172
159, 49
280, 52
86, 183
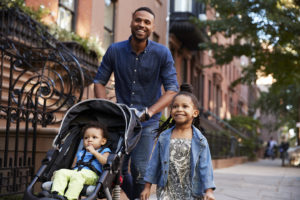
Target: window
209, 95
231, 106
202, 81
218, 100
109, 21
184, 71
183, 5
66, 14
240, 108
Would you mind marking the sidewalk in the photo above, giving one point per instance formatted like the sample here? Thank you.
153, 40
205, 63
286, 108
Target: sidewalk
261, 180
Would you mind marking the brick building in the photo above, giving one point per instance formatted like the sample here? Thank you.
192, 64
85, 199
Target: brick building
109, 22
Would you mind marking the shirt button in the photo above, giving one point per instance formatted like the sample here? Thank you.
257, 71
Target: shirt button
133, 81
166, 172
134, 70
132, 92
131, 104
137, 58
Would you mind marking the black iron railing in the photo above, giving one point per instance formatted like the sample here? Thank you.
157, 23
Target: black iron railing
39, 80
223, 145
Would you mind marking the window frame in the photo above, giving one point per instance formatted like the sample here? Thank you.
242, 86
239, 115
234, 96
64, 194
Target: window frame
73, 13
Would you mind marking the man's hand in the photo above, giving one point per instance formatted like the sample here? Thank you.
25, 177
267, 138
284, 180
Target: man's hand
143, 115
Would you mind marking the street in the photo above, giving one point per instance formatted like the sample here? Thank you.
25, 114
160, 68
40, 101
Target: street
260, 180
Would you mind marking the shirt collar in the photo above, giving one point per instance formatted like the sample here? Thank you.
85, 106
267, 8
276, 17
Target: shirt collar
149, 44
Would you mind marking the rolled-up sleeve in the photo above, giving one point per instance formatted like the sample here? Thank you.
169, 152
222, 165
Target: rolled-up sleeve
168, 73
106, 68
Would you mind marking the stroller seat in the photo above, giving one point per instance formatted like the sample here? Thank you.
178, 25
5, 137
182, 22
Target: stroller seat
124, 131
86, 191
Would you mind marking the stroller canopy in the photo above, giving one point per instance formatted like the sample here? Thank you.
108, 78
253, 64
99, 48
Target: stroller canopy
119, 119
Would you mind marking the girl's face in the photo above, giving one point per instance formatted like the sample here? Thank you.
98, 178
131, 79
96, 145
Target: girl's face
94, 136
183, 110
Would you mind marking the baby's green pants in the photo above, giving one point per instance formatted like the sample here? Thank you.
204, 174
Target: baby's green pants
76, 180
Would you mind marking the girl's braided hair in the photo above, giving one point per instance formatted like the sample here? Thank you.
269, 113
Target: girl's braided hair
187, 90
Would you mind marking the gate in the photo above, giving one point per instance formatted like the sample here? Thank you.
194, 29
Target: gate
39, 80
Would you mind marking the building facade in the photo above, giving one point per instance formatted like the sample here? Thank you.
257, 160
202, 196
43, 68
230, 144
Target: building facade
108, 21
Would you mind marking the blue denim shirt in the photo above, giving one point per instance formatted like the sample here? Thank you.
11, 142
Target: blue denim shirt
138, 78
201, 165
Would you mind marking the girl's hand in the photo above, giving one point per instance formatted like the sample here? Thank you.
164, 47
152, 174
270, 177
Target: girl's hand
146, 192
209, 195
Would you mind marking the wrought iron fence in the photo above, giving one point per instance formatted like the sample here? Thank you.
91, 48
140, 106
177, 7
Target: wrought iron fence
223, 141
39, 78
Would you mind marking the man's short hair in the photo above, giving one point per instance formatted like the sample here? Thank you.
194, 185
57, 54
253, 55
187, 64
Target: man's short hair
144, 9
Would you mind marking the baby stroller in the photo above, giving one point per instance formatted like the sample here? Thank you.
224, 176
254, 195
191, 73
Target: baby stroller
124, 132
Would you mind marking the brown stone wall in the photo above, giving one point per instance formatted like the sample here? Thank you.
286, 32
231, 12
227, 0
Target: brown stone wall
84, 18
228, 162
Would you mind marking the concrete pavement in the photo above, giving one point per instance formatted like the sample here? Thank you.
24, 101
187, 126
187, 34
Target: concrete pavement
260, 180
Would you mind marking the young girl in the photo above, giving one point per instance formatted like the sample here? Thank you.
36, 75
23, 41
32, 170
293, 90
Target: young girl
181, 161
88, 164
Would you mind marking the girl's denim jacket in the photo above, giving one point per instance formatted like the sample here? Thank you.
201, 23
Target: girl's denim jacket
201, 165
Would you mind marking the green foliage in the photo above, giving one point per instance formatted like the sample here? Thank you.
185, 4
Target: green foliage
247, 125
162, 120
284, 100
267, 32
250, 127
249, 147
88, 43
37, 14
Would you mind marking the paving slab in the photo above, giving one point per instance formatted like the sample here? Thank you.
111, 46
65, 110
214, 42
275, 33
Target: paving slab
259, 180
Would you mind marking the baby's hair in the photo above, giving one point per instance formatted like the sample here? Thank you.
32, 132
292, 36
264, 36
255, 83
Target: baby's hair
144, 9
186, 90
96, 125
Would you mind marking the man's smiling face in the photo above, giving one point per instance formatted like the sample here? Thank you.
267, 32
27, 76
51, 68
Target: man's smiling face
142, 25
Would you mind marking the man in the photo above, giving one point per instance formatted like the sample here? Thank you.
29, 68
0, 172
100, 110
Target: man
271, 147
283, 148
140, 67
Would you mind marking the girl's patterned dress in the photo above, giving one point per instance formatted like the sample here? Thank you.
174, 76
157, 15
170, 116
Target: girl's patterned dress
178, 186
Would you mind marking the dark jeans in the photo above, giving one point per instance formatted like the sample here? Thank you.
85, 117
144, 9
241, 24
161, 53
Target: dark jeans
133, 183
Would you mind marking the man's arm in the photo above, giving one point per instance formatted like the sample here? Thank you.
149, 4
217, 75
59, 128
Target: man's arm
162, 102
99, 90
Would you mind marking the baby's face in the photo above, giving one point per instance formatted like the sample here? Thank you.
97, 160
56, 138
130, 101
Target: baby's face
93, 136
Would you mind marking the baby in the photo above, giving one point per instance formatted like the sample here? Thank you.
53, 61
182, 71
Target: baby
89, 163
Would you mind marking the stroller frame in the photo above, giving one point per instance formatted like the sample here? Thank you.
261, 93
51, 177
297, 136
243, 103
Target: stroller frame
124, 131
